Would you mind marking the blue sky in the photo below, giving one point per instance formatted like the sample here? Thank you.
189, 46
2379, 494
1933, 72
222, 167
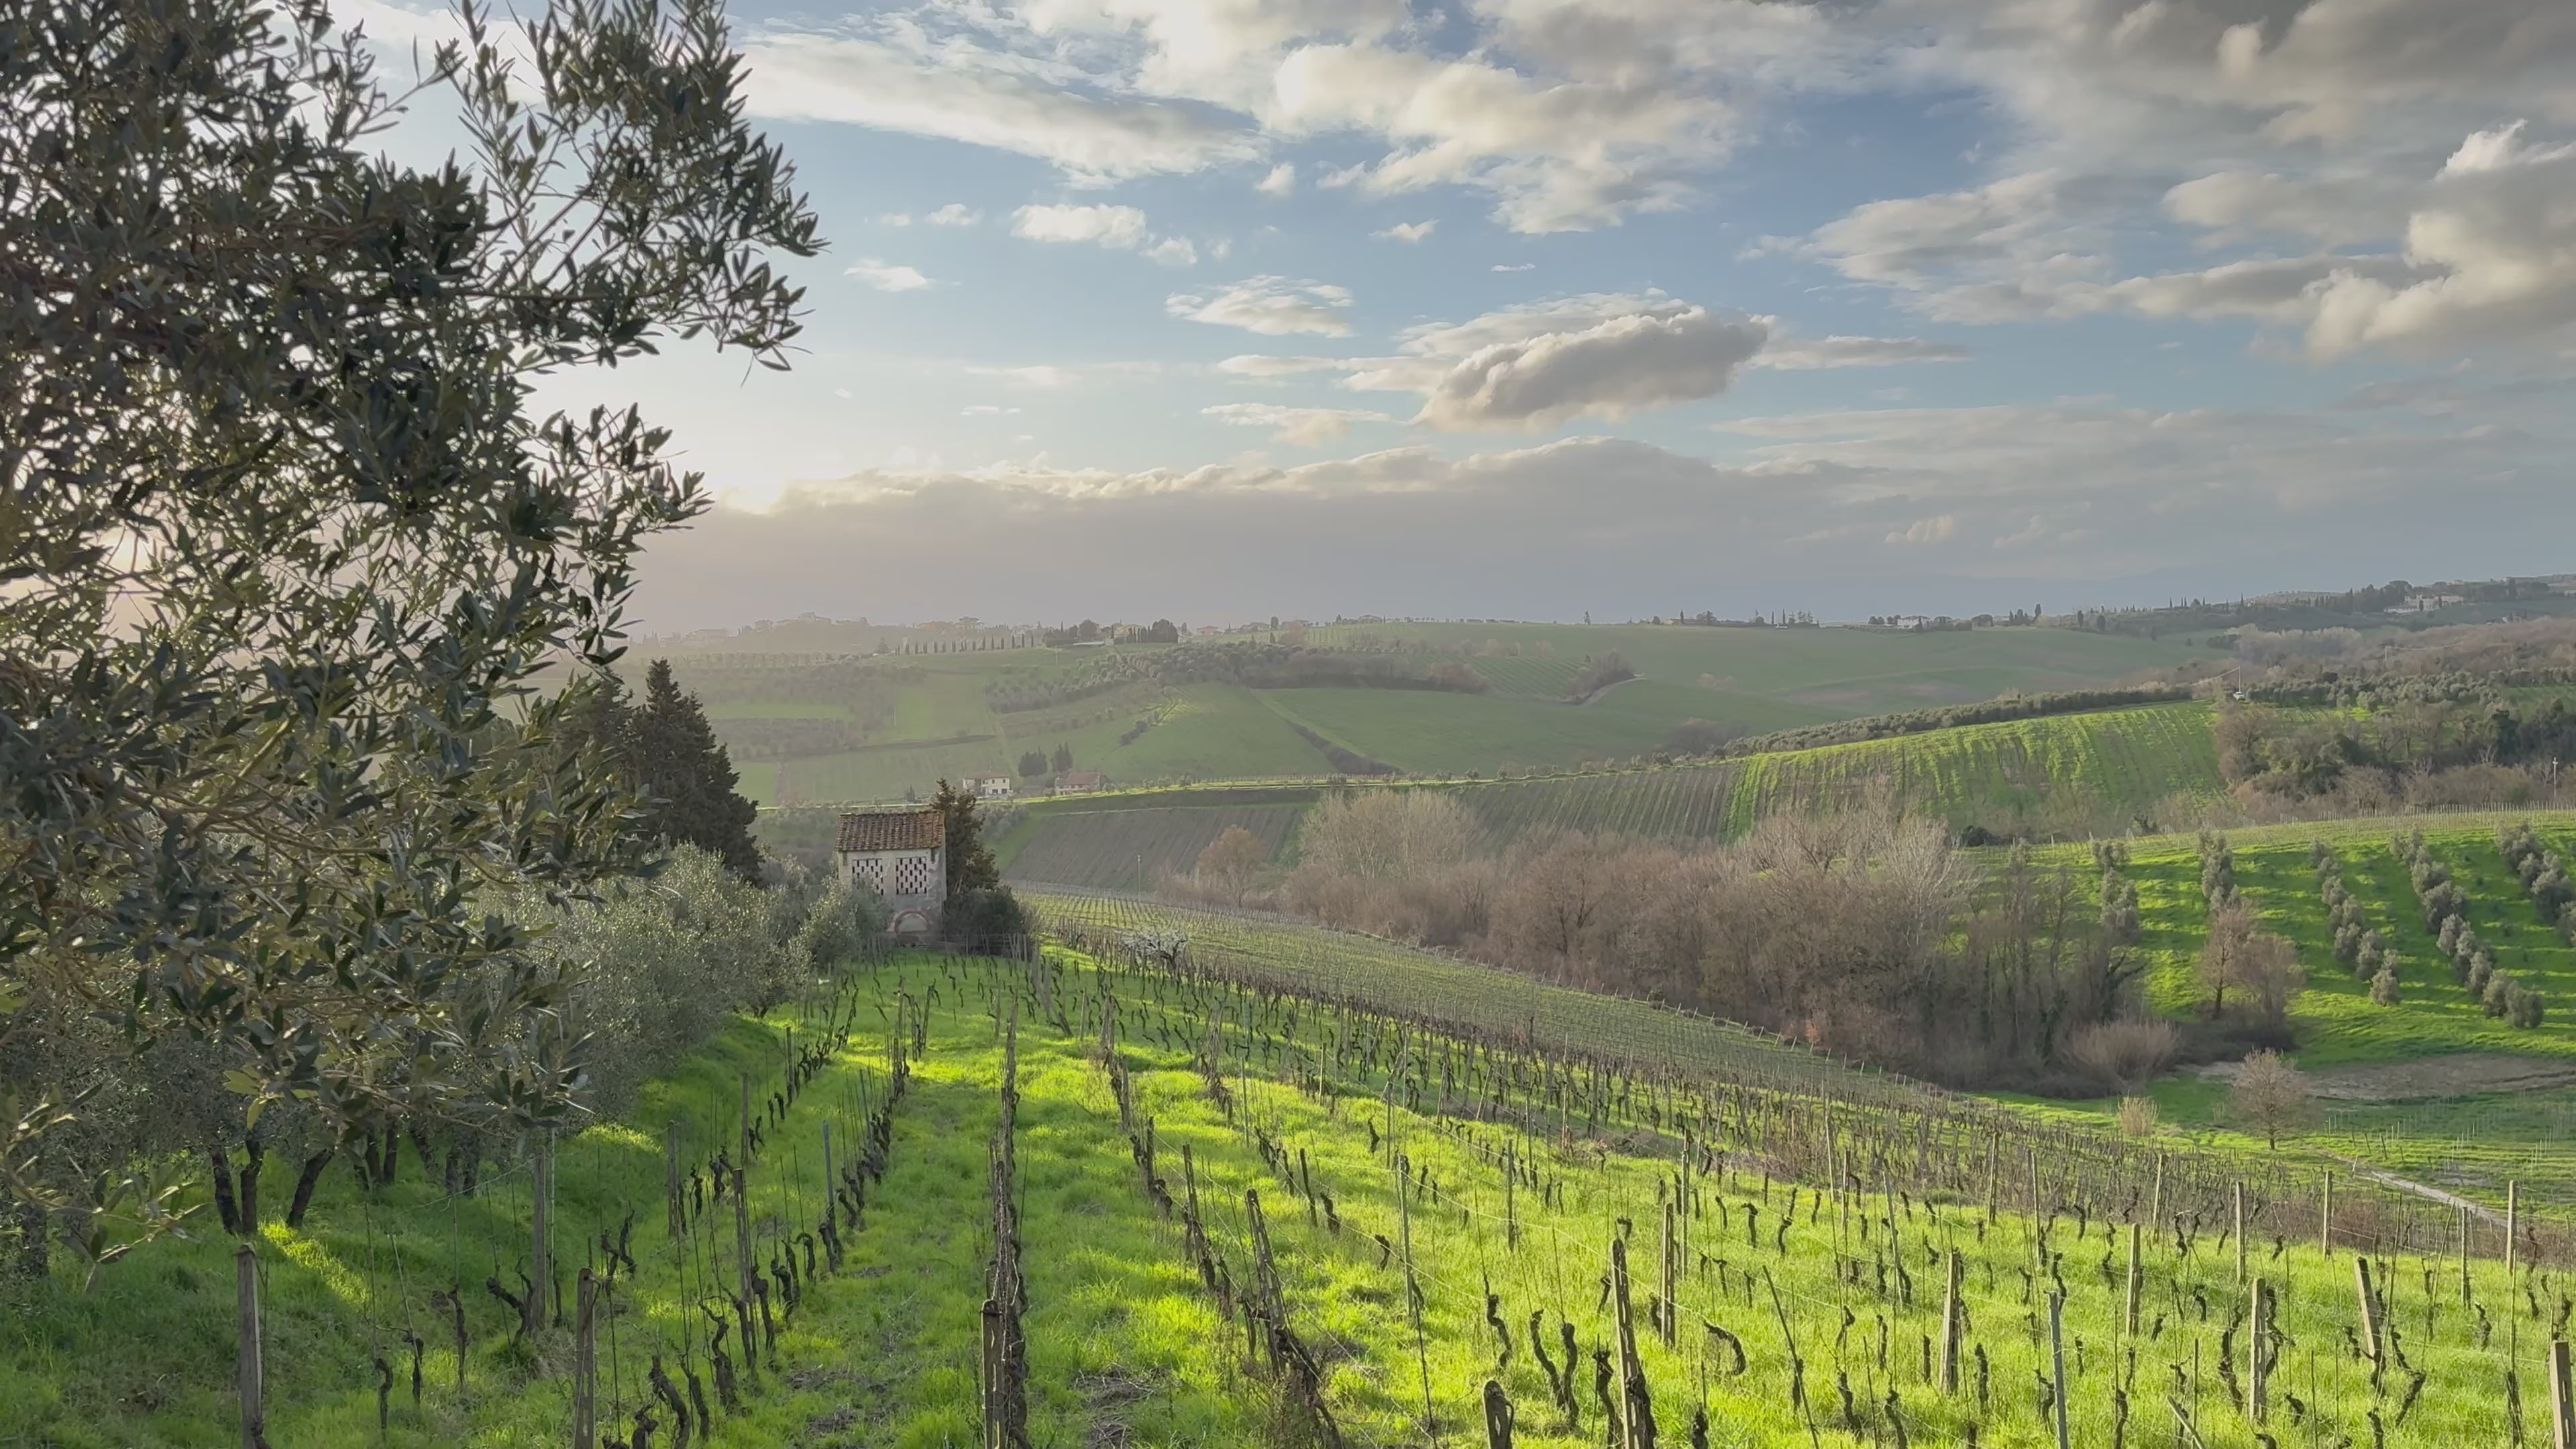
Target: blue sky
1225, 308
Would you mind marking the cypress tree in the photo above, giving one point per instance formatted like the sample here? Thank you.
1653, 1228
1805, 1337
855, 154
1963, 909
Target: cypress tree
671, 753
970, 860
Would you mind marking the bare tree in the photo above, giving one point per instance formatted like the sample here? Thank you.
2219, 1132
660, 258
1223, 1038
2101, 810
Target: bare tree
1232, 860
2271, 1096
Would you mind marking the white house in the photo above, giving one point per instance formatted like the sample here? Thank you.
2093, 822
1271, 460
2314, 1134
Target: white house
990, 787
900, 852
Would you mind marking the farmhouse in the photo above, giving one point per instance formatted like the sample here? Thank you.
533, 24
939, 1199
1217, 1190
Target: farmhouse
900, 852
1079, 782
990, 787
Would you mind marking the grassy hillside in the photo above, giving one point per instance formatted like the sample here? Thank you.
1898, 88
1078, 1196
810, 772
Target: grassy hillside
1127, 849
2068, 775
846, 727
1838, 672
1411, 1200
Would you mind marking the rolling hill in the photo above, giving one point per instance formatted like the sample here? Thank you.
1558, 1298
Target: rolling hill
808, 728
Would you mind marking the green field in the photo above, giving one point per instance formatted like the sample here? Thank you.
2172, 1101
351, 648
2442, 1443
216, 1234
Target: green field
1127, 850
811, 728
2065, 776
1419, 1181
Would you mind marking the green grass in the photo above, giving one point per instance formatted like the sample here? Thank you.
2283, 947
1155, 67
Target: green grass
1127, 1347
904, 710
1840, 673
2057, 775
145, 1360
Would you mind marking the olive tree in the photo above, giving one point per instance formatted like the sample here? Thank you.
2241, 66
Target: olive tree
287, 546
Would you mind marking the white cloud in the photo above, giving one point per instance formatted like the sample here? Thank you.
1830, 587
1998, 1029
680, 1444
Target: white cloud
1304, 427
955, 213
886, 276
1108, 226
1260, 367
2494, 251
1406, 231
895, 218
1052, 377
1281, 181
1797, 354
1514, 266
1926, 530
1609, 369
1271, 306
1117, 228
896, 79
987, 410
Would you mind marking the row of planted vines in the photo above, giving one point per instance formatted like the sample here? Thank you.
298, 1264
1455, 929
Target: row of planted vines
1423, 1235
1140, 1190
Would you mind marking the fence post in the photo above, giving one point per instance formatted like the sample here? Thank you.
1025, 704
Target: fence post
2237, 1196
246, 1366
2562, 1397
671, 1175
2130, 1317
2325, 1219
585, 1364
2369, 1313
1950, 1328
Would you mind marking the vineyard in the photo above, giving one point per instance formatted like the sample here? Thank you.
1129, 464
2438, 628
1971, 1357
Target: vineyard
1125, 850
1176, 1185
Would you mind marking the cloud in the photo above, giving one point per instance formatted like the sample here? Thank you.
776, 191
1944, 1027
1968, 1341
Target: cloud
1116, 228
1914, 241
886, 276
1281, 181
1108, 226
897, 80
2494, 249
1926, 530
986, 410
1305, 427
1406, 231
895, 218
1052, 377
1257, 366
1796, 354
1271, 306
2133, 504
1513, 266
955, 213
1608, 370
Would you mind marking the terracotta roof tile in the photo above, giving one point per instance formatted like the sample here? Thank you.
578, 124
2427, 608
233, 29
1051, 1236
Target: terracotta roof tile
900, 828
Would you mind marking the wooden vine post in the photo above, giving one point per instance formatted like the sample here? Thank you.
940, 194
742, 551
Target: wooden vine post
1951, 1327
2562, 1398
585, 1364
1631, 1375
2325, 1219
1667, 1309
671, 1177
2236, 1192
2369, 1315
742, 1269
246, 1365
2465, 1297
2129, 1317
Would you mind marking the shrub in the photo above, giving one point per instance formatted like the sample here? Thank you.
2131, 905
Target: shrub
2125, 1055
2137, 1117
2383, 988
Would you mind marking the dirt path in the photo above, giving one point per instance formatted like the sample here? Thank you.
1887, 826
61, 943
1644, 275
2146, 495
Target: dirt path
2423, 1190
1589, 700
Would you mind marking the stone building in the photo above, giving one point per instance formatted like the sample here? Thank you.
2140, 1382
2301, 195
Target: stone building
900, 852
